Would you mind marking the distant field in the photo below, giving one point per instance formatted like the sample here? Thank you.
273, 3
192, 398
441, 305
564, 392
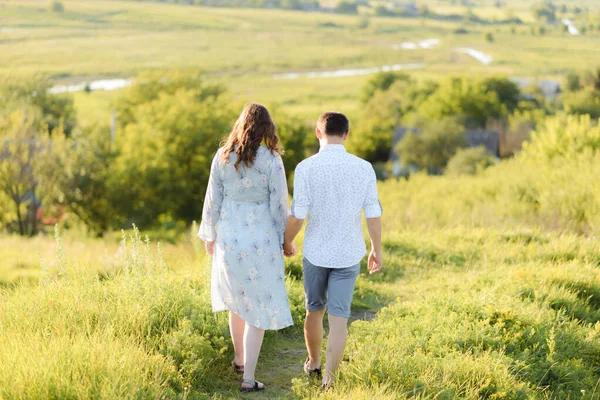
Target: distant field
244, 48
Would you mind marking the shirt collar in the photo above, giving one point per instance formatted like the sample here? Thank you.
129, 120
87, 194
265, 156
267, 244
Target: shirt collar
333, 147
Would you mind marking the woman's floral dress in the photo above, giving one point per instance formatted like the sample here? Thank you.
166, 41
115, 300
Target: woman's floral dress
245, 211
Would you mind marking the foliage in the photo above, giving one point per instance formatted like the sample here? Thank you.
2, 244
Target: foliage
57, 6
25, 140
56, 110
433, 147
380, 82
585, 101
151, 85
466, 99
469, 161
80, 169
346, 7
545, 12
564, 136
164, 152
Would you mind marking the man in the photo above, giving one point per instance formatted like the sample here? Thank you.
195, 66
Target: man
331, 189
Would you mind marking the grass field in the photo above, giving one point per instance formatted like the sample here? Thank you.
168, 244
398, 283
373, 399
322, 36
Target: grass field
244, 48
480, 298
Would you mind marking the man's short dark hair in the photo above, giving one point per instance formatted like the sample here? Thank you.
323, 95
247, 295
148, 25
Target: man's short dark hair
333, 124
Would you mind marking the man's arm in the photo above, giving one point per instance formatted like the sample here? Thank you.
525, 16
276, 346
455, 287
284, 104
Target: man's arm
374, 226
293, 227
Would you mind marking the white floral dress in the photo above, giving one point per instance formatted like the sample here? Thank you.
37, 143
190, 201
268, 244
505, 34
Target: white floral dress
245, 211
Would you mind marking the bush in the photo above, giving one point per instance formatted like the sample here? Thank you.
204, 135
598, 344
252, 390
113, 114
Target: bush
489, 37
57, 6
564, 137
586, 101
431, 149
469, 161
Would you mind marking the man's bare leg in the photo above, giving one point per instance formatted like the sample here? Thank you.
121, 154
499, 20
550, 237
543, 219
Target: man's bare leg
336, 342
313, 335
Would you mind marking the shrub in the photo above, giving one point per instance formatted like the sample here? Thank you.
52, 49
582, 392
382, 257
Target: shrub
489, 37
469, 161
57, 6
431, 149
563, 136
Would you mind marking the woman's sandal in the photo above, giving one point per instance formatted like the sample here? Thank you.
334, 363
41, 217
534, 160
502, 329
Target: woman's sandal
254, 388
237, 368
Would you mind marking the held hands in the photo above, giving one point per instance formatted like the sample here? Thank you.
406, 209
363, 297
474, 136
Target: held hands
210, 248
289, 249
374, 264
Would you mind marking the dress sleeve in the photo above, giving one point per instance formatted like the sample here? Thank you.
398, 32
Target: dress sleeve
372, 207
278, 196
212, 203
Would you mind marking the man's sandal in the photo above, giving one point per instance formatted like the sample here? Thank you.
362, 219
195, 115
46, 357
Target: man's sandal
237, 368
254, 388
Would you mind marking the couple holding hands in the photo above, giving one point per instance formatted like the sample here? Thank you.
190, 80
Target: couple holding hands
245, 223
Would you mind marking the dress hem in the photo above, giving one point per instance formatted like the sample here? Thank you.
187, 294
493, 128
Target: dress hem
250, 323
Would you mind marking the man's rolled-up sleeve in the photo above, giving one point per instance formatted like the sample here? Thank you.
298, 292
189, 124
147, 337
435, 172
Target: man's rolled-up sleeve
301, 199
372, 207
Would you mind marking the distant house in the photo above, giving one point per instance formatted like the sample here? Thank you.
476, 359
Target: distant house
405, 8
550, 89
489, 139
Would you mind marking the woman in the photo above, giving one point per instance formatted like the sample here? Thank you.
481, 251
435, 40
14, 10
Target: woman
243, 222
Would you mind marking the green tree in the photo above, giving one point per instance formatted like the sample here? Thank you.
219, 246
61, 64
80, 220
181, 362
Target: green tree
380, 82
80, 169
469, 161
56, 109
25, 142
563, 136
163, 164
434, 146
57, 6
585, 101
151, 85
545, 12
465, 99
346, 7
489, 37
572, 82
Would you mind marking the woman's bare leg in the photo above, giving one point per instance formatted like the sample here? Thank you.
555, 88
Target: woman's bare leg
236, 328
253, 338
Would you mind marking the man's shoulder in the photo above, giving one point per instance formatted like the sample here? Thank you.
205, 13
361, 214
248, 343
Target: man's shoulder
360, 163
305, 164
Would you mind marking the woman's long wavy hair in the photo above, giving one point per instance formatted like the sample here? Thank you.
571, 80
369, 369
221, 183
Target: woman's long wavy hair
253, 128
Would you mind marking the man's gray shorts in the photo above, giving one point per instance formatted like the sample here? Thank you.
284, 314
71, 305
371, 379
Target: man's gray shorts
330, 288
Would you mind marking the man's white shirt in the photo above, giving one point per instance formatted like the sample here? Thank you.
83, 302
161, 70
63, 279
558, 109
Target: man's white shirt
331, 189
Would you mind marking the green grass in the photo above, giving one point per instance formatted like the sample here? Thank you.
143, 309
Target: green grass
470, 305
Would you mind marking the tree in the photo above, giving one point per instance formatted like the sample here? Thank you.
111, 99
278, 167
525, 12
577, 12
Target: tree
433, 147
25, 141
165, 153
79, 174
465, 99
572, 82
585, 101
346, 7
507, 91
469, 161
18, 94
563, 136
544, 12
380, 82
489, 37
57, 6
153, 84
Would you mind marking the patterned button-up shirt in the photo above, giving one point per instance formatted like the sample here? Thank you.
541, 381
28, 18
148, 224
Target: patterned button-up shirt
331, 189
